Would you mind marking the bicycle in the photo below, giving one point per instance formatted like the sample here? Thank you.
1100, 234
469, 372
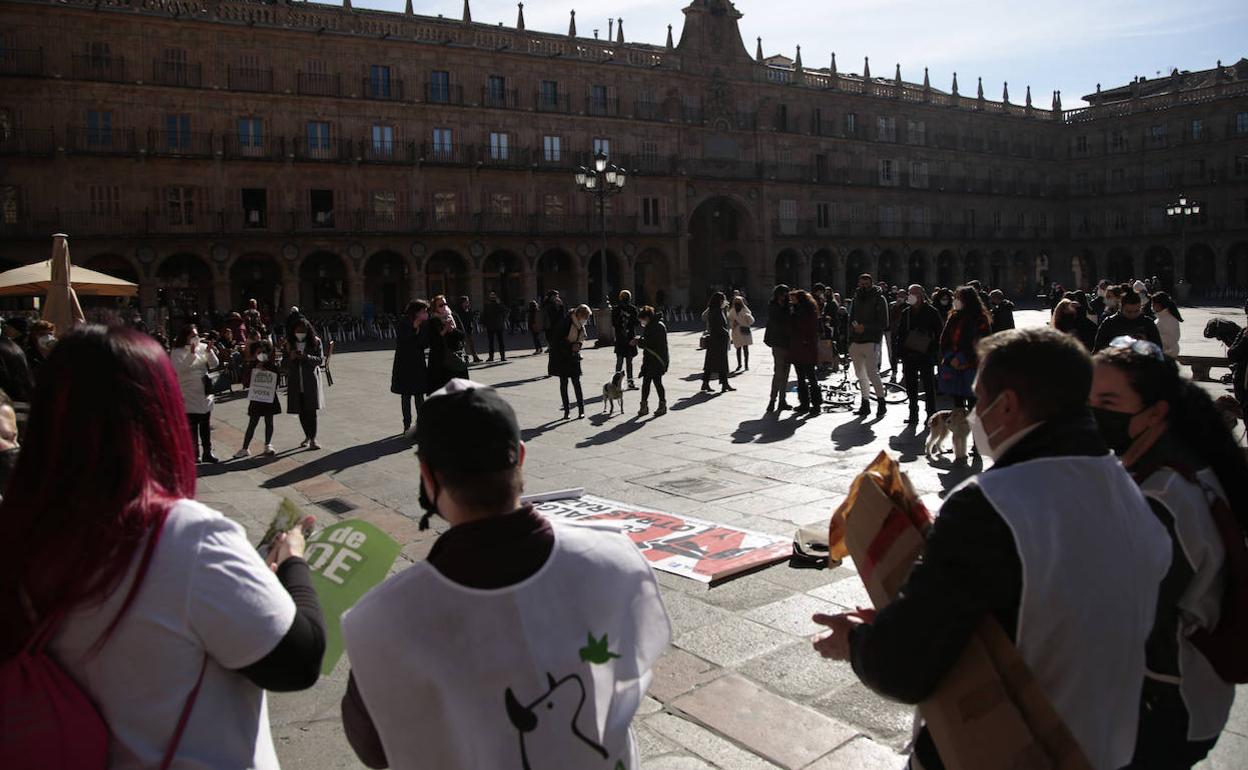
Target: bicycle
844, 394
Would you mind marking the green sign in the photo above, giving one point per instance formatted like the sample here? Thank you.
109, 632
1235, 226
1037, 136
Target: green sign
347, 559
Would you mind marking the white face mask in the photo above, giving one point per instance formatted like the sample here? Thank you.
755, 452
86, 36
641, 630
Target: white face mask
46, 341
957, 304
301, 336
192, 340
262, 357
912, 299
983, 441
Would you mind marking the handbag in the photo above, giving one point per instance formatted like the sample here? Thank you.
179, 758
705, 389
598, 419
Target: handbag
918, 341
704, 341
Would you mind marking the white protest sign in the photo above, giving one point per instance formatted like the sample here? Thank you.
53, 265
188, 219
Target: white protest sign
263, 386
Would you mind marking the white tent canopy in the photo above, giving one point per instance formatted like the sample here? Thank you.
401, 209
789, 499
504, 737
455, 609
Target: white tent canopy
35, 280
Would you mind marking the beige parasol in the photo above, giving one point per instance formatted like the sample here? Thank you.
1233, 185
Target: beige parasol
61, 307
37, 279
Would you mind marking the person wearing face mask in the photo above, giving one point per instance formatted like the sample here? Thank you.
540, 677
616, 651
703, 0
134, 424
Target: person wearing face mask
39, 344
566, 341
776, 336
408, 374
1113, 301
1001, 310
624, 322
192, 360
9, 446
868, 322
715, 362
1097, 306
1074, 586
942, 300
917, 337
1175, 443
1168, 318
304, 391
654, 359
262, 359
1069, 318
1129, 321
524, 591
966, 326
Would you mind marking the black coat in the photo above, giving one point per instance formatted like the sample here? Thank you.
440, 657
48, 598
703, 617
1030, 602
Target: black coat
716, 360
1141, 327
409, 376
444, 361
564, 359
624, 321
776, 333
1002, 316
923, 317
303, 389
554, 313
653, 346
494, 317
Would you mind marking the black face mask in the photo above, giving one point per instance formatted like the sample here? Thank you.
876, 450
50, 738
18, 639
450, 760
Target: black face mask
430, 506
8, 461
1115, 428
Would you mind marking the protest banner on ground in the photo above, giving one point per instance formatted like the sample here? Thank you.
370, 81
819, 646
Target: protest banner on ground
263, 386
682, 545
347, 559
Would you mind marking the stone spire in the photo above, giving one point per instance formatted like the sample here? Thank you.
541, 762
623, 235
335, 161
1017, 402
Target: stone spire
1028, 97
409, 10
610, 29
670, 46
832, 69
797, 63
1005, 93
927, 84
866, 68
758, 52
1057, 101
619, 32
467, 13
897, 75
519, 16
980, 94
955, 84
572, 25
346, 4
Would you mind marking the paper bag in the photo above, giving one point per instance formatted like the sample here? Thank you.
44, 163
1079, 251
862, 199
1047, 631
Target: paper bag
988, 712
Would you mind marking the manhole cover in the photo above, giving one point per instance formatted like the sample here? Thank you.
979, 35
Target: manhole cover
704, 484
337, 505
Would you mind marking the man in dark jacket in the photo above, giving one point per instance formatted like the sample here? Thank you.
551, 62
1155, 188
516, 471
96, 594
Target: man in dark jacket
776, 337
895, 308
917, 339
494, 317
1097, 306
868, 321
554, 312
1002, 311
1079, 613
654, 359
464, 322
1131, 321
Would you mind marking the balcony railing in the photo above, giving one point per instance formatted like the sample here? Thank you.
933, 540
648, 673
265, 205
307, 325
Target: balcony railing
559, 160
605, 107
180, 144
387, 221
27, 141
251, 147
440, 153
443, 93
331, 150
382, 89
21, 61
386, 151
116, 141
249, 79
647, 111
561, 103
318, 84
504, 99
181, 74
504, 157
110, 69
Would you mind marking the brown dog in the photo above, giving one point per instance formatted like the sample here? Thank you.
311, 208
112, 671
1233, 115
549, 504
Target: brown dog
948, 422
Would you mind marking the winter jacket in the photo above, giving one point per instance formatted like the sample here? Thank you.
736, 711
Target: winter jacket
741, 321
716, 359
1168, 328
624, 322
303, 387
1002, 316
869, 308
776, 335
565, 355
409, 374
191, 368
1117, 325
921, 317
804, 336
444, 361
494, 317
653, 346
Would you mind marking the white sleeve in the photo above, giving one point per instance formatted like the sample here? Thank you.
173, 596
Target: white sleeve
236, 605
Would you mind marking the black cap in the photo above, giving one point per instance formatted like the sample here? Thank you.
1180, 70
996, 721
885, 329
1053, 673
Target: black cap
467, 426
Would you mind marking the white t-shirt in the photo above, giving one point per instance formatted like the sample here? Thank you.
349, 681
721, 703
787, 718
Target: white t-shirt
206, 590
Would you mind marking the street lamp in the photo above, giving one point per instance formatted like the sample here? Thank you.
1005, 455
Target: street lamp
601, 181
1183, 210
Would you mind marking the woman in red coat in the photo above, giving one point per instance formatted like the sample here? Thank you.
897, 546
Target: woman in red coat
804, 350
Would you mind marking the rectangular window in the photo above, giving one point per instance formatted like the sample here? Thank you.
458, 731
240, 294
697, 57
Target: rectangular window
384, 205
99, 128
1157, 134
1198, 129
383, 141
379, 81
1241, 165
650, 150
443, 143
549, 94
788, 217
177, 132
886, 129
1081, 144
181, 205
823, 215
8, 205
996, 220
888, 220
251, 134
1120, 221
1081, 182
174, 69
501, 204
498, 146
816, 122
255, 207
496, 90
444, 205
1241, 123
598, 100
1118, 139
318, 137
439, 86
887, 176
105, 199
552, 205
99, 54
650, 212
851, 124
782, 117
916, 132
918, 173
551, 149
321, 205
603, 146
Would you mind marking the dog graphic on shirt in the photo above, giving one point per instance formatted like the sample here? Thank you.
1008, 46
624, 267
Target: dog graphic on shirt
548, 726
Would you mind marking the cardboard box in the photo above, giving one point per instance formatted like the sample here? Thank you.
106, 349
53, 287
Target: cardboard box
989, 712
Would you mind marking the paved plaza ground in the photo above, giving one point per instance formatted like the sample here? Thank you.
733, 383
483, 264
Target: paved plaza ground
741, 687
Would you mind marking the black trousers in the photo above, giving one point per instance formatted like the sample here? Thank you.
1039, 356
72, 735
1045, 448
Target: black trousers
646, 380
201, 432
808, 393
576, 386
918, 371
252, 422
624, 363
496, 334
537, 342
746, 351
406, 401
1161, 743
307, 420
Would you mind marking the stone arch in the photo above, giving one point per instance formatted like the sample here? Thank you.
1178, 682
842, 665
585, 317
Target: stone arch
323, 279
1237, 265
386, 282
1159, 262
652, 278
184, 287
1200, 267
917, 268
789, 268
116, 265
891, 268
258, 276
857, 263
974, 267
597, 289
823, 268
735, 271
947, 268
998, 274
556, 271
446, 272
717, 225
1119, 265
503, 272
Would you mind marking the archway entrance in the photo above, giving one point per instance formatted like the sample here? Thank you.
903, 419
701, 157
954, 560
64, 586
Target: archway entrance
918, 268
1119, 265
1200, 267
652, 278
323, 283
855, 265
717, 227
788, 268
822, 269
184, 288
946, 269
502, 274
1159, 263
446, 273
973, 268
597, 289
109, 264
385, 283
998, 271
258, 277
890, 268
1237, 266
554, 272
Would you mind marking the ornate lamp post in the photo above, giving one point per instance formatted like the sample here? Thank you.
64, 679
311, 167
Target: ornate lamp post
1183, 210
601, 181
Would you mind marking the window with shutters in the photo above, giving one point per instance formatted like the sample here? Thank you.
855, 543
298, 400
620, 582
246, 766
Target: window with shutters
498, 146
180, 205
603, 146
788, 217
888, 174
552, 206
650, 212
8, 205
444, 207
105, 199
383, 141
443, 143
552, 149
177, 132
384, 206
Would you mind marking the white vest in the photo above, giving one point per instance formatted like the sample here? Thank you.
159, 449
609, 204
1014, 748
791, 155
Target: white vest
547, 673
1093, 556
1207, 697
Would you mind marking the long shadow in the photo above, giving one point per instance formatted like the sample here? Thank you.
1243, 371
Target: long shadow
616, 433
908, 443
341, 460
251, 463
515, 383
959, 472
691, 401
528, 434
765, 430
852, 434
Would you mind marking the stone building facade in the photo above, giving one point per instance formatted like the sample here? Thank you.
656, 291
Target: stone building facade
338, 159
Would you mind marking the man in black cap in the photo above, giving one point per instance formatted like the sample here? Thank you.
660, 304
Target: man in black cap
517, 642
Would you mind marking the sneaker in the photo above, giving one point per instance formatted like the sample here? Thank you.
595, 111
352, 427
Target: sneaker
644, 410
632, 385
662, 410
303, 444
313, 445
210, 458
269, 451
580, 413
240, 454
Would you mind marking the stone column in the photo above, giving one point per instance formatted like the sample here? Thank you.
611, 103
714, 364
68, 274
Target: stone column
221, 294
1221, 274
930, 269
1137, 265
416, 284
147, 292
529, 279
476, 287
290, 293
355, 292
839, 265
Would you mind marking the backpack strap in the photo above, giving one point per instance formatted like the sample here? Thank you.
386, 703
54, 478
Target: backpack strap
185, 716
